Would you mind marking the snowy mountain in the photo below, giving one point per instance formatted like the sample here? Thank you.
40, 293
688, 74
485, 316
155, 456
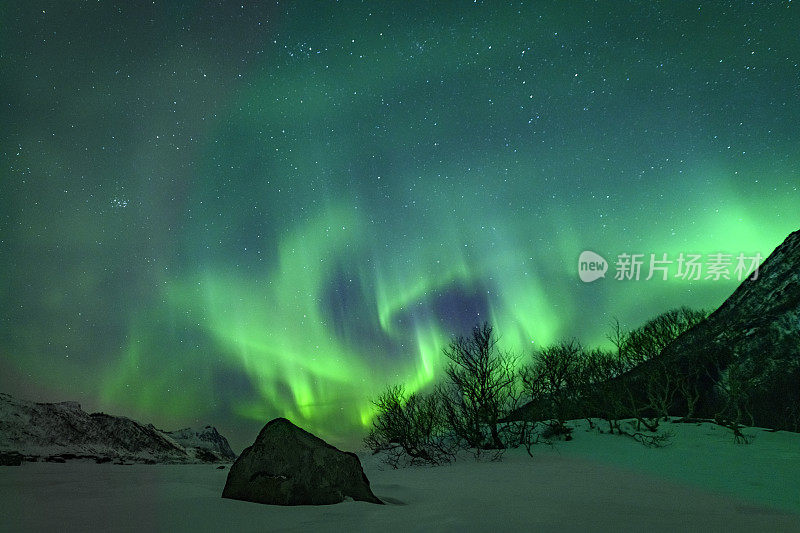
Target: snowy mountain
203, 440
61, 431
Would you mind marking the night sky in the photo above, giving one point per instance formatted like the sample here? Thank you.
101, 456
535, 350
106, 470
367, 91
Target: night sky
221, 213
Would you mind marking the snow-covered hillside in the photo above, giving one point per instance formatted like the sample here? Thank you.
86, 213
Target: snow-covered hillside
61, 431
207, 438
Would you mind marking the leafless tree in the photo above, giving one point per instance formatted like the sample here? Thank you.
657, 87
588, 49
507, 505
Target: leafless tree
479, 390
653, 389
689, 388
554, 382
409, 427
602, 389
663, 384
735, 390
648, 340
632, 402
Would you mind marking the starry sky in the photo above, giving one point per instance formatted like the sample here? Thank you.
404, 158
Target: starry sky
216, 212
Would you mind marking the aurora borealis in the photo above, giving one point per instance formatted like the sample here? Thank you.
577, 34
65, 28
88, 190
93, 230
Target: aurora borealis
216, 212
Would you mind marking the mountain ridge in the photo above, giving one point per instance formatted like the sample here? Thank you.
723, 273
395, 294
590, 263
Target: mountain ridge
63, 430
756, 333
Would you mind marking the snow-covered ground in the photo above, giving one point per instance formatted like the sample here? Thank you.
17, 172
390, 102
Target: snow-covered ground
597, 482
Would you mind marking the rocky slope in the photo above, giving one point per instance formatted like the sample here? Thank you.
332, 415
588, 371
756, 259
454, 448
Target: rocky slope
62, 431
754, 336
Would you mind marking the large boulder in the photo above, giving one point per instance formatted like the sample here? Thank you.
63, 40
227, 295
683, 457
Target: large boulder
287, 465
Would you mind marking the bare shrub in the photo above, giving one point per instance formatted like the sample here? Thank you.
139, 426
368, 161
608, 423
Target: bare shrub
409, 428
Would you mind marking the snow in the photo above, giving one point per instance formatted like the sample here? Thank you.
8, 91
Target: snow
705, 455
598, 482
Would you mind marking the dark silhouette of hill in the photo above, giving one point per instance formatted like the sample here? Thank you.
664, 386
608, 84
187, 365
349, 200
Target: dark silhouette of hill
749, 345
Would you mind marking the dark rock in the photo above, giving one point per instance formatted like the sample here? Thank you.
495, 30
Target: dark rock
11, 458
221, 467
287, 465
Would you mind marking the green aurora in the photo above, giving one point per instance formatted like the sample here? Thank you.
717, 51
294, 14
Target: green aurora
223, 214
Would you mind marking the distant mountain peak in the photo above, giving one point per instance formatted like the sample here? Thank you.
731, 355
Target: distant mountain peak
55, 431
